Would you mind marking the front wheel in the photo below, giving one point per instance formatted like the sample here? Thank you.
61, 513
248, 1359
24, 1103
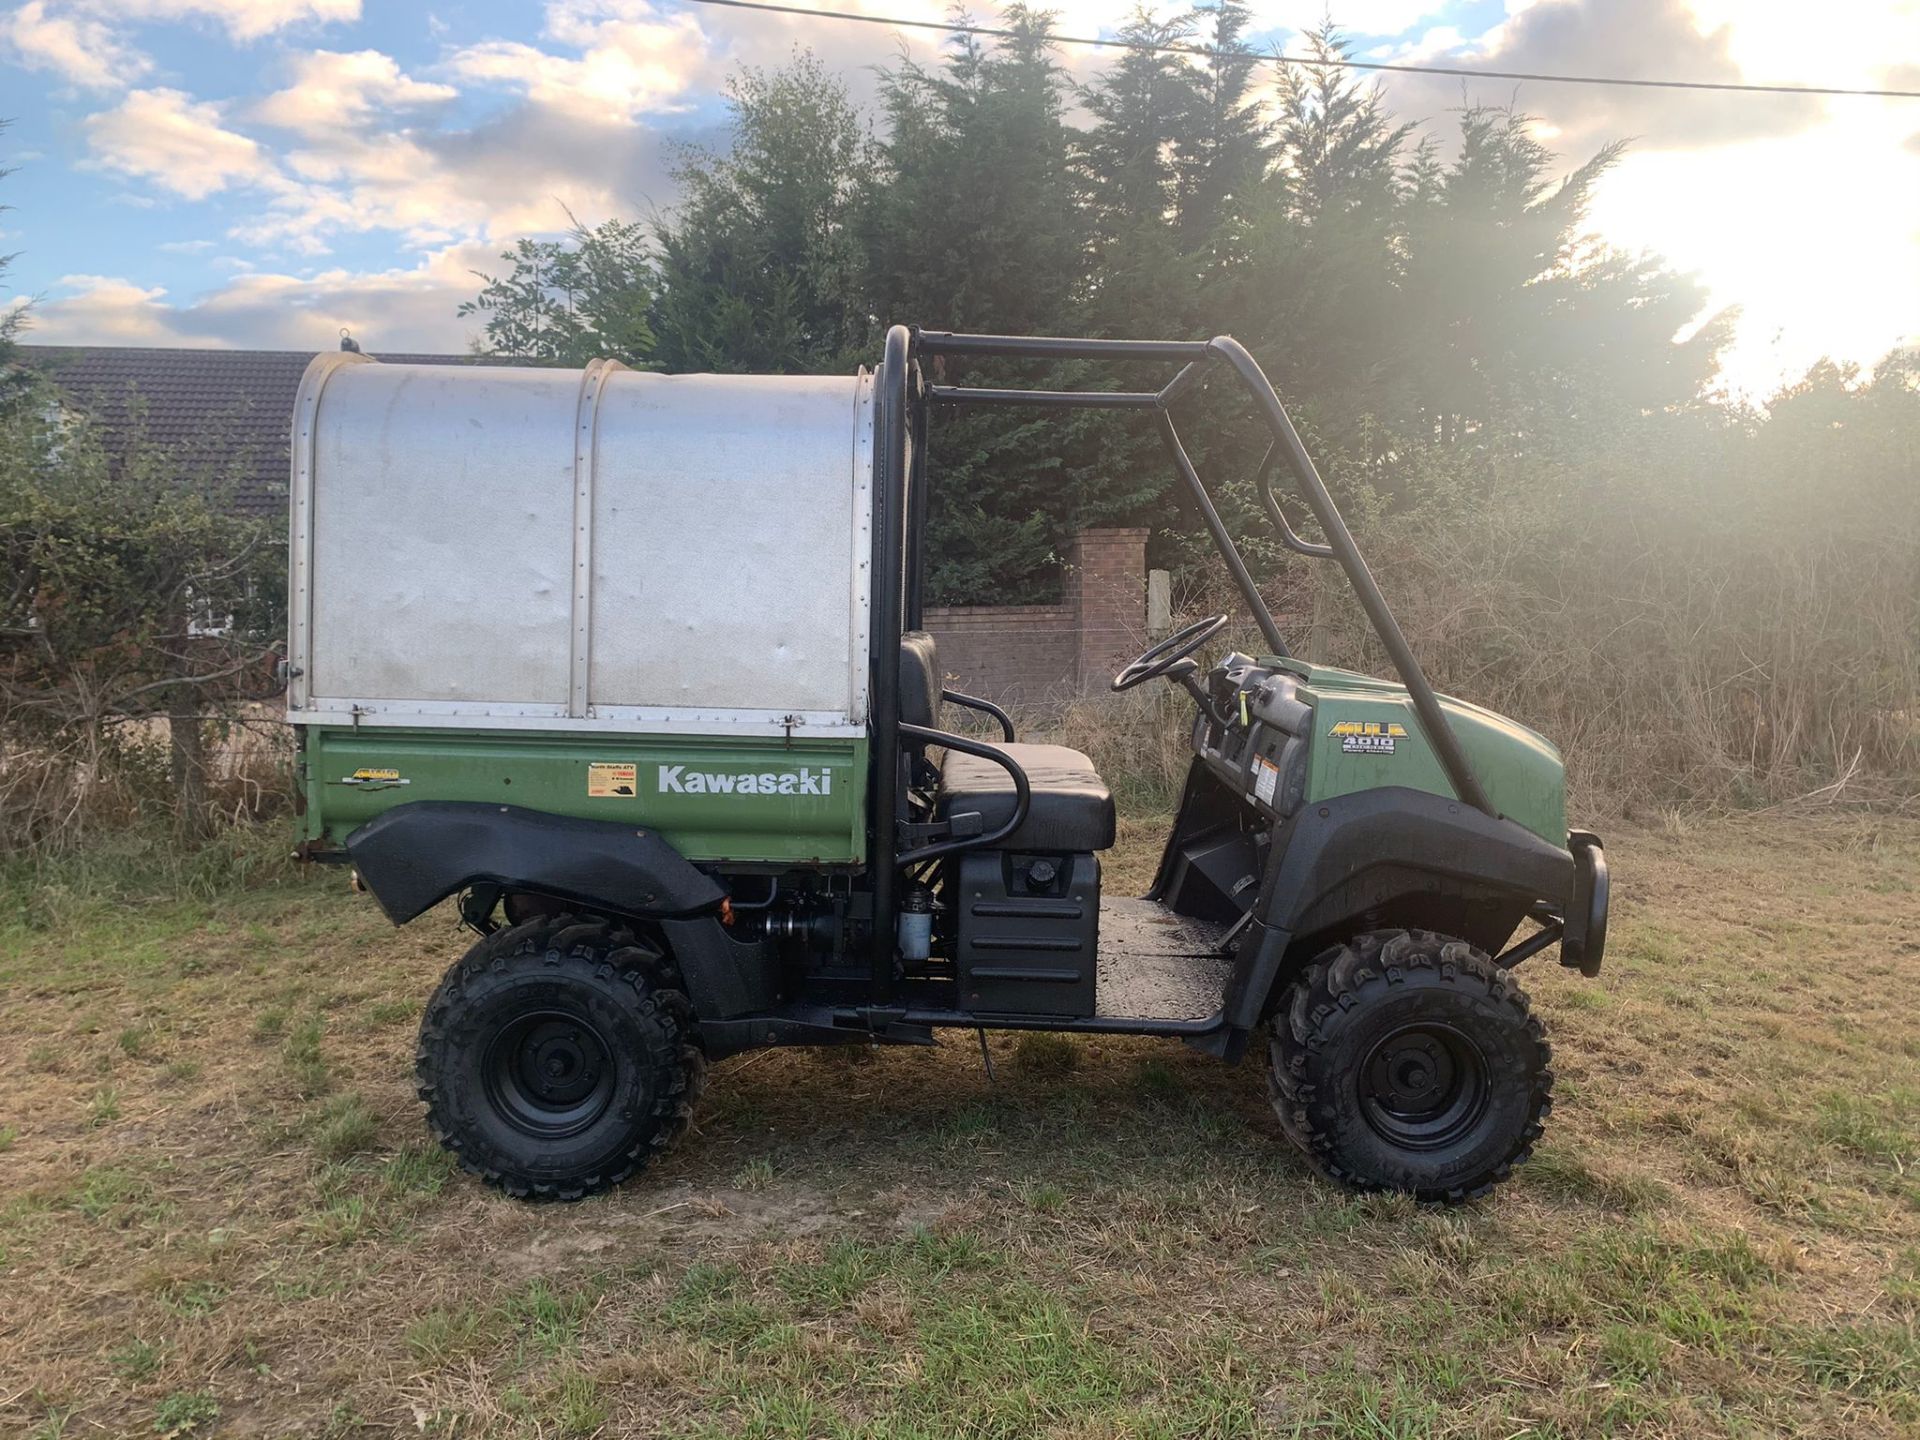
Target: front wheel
1406, 1060
557, 1058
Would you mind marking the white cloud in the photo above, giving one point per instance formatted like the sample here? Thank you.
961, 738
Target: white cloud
519, 171
1833, 272
1642, 39
105, 309
631, 61
522, 172
333, 88
1853, 42
177, 142
1434, 43
241, 19
1370, 17
393, 310
83, 51
360, 182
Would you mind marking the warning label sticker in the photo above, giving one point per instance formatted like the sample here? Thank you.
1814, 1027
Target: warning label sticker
1266, 775
606, 778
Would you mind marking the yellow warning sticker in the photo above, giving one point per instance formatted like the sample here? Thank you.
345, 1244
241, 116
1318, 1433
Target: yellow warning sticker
606, 778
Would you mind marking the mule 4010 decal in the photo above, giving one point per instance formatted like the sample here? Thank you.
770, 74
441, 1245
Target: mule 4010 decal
1369, 737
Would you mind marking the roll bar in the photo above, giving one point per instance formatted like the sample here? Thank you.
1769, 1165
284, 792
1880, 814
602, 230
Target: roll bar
903, 397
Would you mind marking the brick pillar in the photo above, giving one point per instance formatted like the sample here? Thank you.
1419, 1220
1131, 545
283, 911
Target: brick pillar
1107, 584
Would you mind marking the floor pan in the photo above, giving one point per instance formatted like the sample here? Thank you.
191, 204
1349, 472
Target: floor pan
1155, 964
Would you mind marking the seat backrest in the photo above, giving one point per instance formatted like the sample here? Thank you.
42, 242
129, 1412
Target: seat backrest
920, 679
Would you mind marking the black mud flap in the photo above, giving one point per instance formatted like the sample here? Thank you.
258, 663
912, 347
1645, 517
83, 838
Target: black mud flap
1585, 942
414, 856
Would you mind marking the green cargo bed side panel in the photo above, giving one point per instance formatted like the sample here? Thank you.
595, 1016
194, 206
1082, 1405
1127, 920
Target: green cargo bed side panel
711, 797
1366, 735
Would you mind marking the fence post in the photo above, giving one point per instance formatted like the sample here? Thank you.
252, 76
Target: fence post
1159, 604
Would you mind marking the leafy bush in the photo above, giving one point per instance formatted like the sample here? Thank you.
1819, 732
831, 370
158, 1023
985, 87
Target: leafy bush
138, 616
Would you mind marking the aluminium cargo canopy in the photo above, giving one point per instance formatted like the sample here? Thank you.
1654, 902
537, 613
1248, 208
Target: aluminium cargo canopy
500, 547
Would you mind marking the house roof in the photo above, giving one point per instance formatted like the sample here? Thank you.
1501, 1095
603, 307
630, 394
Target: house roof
237, 402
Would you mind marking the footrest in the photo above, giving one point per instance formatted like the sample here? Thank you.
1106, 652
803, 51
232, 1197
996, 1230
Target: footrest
1156, 965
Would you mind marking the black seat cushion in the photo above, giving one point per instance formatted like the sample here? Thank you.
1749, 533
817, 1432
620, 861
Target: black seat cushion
1071, 807
920, 679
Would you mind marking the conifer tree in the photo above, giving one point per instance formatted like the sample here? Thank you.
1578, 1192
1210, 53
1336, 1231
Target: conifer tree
758, 264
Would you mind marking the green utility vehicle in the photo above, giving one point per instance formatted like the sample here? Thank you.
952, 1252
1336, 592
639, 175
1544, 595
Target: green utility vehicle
633, 666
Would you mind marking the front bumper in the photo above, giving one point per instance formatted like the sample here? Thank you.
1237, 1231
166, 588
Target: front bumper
1584, 940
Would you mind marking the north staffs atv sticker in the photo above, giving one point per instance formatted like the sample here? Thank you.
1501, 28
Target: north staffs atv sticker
606, 779
1369, 737
681, 780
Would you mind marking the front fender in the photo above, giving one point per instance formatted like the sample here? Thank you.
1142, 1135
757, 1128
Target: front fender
414, 856
1334, 861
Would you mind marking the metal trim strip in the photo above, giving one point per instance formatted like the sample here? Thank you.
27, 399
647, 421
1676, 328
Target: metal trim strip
306, 415
586, 461
862, 598
817, 725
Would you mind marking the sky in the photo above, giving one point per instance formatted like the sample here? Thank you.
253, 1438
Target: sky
268, 172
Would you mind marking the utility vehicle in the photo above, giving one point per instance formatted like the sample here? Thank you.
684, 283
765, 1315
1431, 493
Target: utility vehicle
633, 665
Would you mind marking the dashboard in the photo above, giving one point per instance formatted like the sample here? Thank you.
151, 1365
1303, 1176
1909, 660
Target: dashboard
1256, 740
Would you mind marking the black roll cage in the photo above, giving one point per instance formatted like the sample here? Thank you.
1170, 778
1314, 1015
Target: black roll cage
902, 399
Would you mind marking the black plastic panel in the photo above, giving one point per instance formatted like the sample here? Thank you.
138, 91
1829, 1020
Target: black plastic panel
1261, 753
1027, 926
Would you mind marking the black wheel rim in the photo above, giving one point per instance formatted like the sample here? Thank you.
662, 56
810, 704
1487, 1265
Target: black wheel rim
1424, 1086
549, 1073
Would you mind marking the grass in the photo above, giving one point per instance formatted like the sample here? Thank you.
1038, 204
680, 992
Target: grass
184, 1412
220, 1210
344, 1127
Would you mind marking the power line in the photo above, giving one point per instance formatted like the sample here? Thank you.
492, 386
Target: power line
1000, 33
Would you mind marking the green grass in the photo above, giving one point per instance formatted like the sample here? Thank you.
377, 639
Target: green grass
184, 1412
1719, 1235
193, 1300
418, 1171
344, 1127
136, 1360
443, 1334
756, 1174
1041, 1053
104, 1107
547, 1320
303, 1057
270, 1023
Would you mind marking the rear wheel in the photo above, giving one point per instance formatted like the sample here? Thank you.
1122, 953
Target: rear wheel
558, 1057
1407, 1060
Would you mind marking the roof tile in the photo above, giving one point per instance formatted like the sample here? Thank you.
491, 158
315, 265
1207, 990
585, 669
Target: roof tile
179, 398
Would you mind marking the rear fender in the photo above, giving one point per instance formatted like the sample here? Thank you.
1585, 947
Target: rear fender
414, 856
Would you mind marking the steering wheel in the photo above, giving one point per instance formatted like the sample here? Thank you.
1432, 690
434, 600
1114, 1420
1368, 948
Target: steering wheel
1169, 652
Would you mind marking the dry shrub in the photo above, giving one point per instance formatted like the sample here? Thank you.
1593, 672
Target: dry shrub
1669, 671
1688, 644
63, 787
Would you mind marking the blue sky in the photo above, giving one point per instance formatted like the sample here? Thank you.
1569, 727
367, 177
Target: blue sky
265, 172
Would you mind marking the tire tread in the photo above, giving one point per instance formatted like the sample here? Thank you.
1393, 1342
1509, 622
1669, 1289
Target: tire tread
1342, 979
611, 954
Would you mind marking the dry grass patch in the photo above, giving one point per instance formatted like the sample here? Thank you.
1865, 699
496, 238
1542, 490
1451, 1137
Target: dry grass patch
1721, 1236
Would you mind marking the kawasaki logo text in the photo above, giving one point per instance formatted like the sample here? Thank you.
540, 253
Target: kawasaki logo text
678, 780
